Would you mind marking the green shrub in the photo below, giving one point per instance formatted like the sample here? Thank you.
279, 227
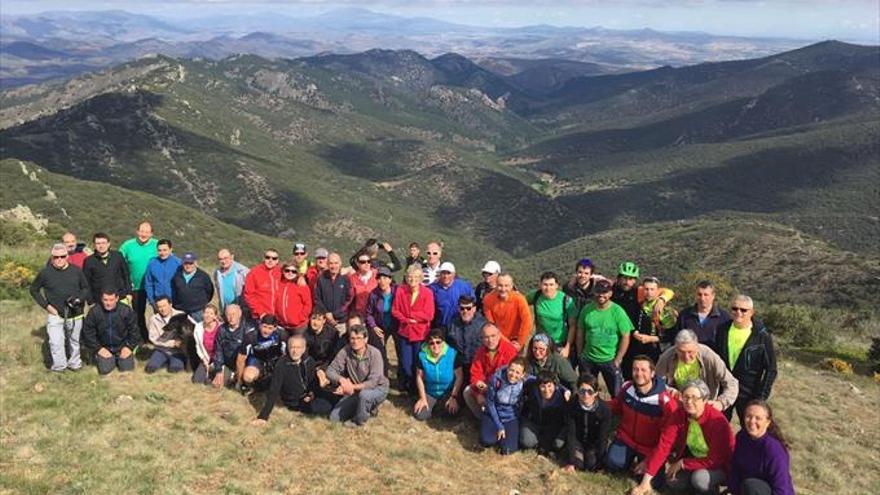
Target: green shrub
803, 326
17, 233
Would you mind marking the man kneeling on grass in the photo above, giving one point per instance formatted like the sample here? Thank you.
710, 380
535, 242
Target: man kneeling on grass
111, 330
357, 375
295, 382
259, 353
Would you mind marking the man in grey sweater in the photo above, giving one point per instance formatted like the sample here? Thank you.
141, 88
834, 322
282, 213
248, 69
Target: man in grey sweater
357, 376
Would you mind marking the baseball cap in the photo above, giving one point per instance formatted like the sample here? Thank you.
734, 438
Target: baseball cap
602, 287
299, 247
491, 267
189, 257
447, 267
383, 271
321, 253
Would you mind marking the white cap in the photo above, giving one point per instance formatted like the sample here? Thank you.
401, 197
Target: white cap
446, 267
491, 267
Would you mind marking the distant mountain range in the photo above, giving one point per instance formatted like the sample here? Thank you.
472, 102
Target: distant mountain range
486, 155
54, 45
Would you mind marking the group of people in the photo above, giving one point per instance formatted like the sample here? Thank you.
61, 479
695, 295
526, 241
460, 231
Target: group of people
312, 333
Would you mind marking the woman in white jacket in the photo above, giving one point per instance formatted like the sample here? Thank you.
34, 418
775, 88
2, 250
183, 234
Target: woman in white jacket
204, 336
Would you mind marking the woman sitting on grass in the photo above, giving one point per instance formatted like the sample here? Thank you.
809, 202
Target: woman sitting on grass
760, 463
543, 414
587, 426
205, 335
438, 377
499, 425
704, 446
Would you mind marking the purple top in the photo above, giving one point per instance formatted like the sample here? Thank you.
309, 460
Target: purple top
764, 458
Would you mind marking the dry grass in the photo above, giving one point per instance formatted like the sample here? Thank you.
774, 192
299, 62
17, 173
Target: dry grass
77, 435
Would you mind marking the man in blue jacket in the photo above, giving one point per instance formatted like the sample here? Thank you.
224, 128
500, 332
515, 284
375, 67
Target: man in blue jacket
447, 290
160, 271
192, 288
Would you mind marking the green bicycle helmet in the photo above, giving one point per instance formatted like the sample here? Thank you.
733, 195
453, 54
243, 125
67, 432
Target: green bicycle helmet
628, 269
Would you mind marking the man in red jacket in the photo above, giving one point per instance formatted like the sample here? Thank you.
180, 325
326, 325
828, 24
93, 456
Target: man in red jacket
495, 352
261, 286
649, 426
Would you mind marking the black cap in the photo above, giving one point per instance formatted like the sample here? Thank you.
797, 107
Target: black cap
602, 287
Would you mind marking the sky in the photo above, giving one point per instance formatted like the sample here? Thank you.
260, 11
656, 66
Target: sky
848, 20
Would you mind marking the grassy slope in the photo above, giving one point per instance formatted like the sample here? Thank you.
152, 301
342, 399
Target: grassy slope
80, 435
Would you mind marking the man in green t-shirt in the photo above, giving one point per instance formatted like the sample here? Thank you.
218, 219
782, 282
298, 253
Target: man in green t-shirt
138, 251
555, 313
603, 337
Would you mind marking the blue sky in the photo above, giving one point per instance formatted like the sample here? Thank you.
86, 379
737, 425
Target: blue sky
852, 20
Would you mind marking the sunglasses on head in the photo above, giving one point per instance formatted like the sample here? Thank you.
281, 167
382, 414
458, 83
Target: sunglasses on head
741, 310
268, 257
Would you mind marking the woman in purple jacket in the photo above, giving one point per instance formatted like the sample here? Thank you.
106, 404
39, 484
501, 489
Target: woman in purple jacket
760, 463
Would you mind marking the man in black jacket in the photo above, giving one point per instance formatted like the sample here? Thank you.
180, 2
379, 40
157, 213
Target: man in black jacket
192, 288
230, 338
334, 293
295, 382
106, 268
705, 317
746, 347
61, 289
111, 331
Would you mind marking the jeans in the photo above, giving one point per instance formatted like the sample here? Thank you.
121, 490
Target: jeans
620, 458
139, 305
176, 361
489, 434
108, 364
434, 403
610, 374
358, 406
532, 436
409, 353
60, 336
470, 400
755, 486
197, 316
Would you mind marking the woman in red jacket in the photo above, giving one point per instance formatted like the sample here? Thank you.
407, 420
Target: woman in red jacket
704, 446
413, 307
293, 301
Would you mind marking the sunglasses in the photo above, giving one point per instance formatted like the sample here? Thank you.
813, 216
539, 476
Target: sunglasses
435, 342
299, 252
741, 310
432, 253
586, 391
274, 258
363, 262
320, 257
290, 270
59, 257
466, 308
